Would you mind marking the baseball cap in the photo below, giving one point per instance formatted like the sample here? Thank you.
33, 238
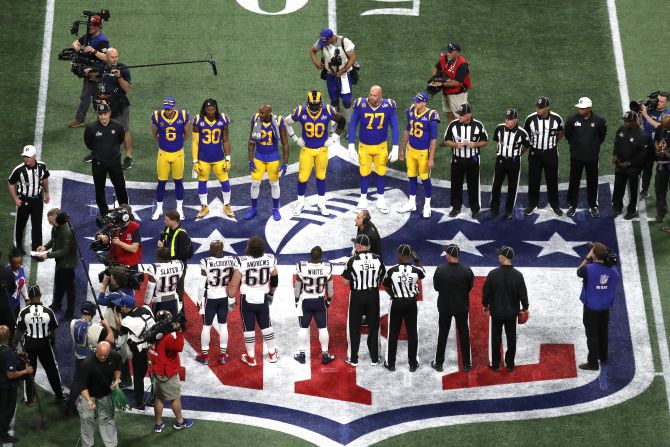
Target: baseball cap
583, 103
361, 239
630, 116
420, 97
405, 250
542, 102
324, 36
34, 291
122, 300
103, 108
169, 103
452, 250
506, 251
511, 114
29, 151
464, 108
453, 46
88, 308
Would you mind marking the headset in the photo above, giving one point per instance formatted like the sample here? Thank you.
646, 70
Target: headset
367, 218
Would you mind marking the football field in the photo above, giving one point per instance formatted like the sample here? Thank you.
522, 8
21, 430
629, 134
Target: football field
518, 51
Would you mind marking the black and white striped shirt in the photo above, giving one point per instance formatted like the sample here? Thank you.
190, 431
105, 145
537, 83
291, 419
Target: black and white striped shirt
402, 280
28, 181
36, 322
543, 132
365, 271
473, 131
510, 141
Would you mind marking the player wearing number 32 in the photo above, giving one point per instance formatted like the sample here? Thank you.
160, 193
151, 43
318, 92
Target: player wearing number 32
315, 118
256, 277
375, 114
211, 151
170, 127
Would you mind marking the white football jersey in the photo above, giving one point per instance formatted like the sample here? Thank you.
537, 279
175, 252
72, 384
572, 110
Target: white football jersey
218, 272
166, 276
314, 278
255, 276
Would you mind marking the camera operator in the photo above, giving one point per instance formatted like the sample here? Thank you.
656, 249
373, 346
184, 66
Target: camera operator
94, 45
7, 291
177, 240
630, 152
165, 365
651, 112
12, 369
63, 248
662, 147
125, 240
600, 282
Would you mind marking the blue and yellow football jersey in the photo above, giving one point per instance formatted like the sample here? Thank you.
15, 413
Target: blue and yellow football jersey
170, 130
267, 147
314, 126
422, 127
210, 142
374, 122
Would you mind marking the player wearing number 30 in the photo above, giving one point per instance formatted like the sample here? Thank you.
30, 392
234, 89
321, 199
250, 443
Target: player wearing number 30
211, 151
164, 277
266, 130
314, 118
215, 273
170, 127
375, 114
256, 277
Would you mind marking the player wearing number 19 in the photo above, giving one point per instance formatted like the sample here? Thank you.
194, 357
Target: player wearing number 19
314, 118
164, 278
375, 114
170, 127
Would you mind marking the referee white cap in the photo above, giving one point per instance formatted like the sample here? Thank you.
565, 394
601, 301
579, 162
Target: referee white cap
29, 151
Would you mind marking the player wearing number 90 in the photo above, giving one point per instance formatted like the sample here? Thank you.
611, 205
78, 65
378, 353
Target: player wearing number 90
211, 151
256, 277
215, 273
170, 127
163, 280
315, 118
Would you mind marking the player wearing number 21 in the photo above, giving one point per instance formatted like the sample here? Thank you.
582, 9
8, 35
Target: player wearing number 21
315, 118
170, 127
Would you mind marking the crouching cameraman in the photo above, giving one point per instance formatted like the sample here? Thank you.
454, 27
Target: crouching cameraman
165, 364
120, 236
12, 369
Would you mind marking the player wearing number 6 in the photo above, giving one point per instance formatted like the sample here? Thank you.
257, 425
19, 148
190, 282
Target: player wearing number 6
170, 127
314, 118
418, 147
375, 114
211, 151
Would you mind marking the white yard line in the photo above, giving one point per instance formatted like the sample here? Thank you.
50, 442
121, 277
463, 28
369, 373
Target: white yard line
44, 76
644, 225
332, 15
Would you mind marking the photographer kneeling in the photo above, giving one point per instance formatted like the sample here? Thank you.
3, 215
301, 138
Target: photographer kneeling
601, 280
164, 355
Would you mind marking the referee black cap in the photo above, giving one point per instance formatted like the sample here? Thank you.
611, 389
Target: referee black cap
34, 292
362, 239
88, 308
542, 102
103, 108
464, 108
405, 250
630, 116
511, 114
506, 251
452, 250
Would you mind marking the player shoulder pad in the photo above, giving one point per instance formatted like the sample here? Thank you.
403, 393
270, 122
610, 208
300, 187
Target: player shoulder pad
273, 260
298, 267
154, 117
434, 116
329, 267
357, 102
203, 263
297, 112
254, 118
196, 119
226, 118
391, 102
330, 109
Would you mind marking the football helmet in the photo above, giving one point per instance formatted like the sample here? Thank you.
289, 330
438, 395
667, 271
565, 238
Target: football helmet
314, 101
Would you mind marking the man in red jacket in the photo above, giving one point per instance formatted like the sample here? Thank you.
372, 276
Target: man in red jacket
164, 357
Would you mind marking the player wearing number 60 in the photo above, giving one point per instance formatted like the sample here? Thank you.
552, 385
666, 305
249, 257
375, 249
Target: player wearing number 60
315, 118
170, 127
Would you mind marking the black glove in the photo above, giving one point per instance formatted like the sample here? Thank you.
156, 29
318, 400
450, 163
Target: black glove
269, 298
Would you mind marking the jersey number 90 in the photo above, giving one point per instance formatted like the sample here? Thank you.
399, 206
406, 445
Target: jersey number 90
314, 130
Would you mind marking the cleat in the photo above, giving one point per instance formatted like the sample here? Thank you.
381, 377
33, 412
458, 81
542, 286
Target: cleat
408, 207
435, 366
157, 214
381, 205
389, 367
615, 213
475, 214
427, 211
75, 123
660, 217
454, 212
375, 362
223, 358
186, 423
180, 210
348, 361
202, 359
248, 360
204, 210
509, 368
273, 356
644, 193
595, 213
159, 427
529, 210
251, 214
467, 367
589, 367
88, 158
630, 216
413, 368
275, 214
557, 210
327, 358
493, 213
300, 358
571, 211
228, 211
297, 209
495, 368
509, 215
127, 163
323, 209
362, 204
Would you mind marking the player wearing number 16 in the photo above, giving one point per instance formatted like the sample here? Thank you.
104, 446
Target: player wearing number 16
375, 114
170, 127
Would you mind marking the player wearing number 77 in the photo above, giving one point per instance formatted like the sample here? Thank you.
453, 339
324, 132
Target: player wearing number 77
375, 114
170, 127
314, 117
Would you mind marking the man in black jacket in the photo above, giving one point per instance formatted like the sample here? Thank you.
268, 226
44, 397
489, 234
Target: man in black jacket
504, 290
365, 226
177, 240
630, 153
453, 282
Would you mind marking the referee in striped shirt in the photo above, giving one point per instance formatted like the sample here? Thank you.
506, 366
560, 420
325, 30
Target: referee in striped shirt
28, 185
545, 129
512, 144
364, 273
402, 284
37, 325
465, 136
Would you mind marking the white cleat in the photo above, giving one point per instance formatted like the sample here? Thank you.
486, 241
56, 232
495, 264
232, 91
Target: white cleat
297, 209
180, 210
408, 207
426, 211
381, 205
362, 204
157, 214
323, 209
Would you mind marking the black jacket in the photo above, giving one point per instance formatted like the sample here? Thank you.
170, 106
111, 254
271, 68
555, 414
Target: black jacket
630, 145
504, 291
585, 136
375, 240
453, 283
105, 142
